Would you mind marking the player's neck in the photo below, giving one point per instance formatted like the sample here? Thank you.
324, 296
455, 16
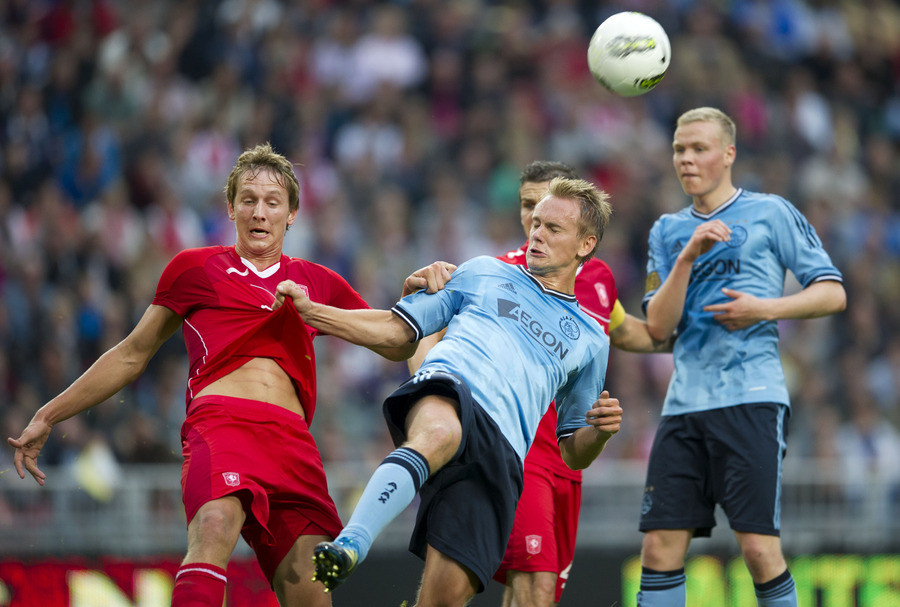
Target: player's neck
260, 260
558, 281
709, 202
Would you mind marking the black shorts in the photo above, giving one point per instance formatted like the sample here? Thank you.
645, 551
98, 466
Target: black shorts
468, 507
731, 456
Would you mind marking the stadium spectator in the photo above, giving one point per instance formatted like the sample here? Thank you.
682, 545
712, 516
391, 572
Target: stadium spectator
869, 450
715, 276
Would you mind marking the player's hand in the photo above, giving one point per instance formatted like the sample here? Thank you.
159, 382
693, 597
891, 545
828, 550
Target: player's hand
741, 312
606, 414
432, 278
704, 237
289, 288
28, 446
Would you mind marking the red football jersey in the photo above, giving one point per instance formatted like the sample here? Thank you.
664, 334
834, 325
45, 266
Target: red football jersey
226, 304
595, 289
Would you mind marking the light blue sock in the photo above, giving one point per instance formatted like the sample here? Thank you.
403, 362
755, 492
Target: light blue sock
779, 592
662, 588
390, 490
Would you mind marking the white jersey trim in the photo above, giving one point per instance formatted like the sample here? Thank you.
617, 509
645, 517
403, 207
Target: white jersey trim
202, 360
264, 273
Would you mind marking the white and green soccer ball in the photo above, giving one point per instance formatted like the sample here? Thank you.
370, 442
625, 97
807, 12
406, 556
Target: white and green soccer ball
629, 53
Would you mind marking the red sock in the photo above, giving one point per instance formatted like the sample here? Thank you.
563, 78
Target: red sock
199, 585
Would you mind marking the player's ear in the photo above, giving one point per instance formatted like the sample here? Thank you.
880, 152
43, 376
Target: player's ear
292, 216
587, 246
730, 155
229, 206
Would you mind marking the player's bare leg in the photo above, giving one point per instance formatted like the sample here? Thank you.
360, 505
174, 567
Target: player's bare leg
292, 581
434, 430
212, 535
762, 554
445, 582
773, 582
662, 567
214, 531
665, 549
530, 589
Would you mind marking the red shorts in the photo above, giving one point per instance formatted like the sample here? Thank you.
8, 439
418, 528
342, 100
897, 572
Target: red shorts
266, 455
543, 535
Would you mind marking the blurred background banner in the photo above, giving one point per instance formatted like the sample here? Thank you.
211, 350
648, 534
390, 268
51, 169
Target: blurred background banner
409, 122
600, 577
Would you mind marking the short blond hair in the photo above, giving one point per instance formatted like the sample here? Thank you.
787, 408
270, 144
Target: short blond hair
263, 156
595, 207
711, 114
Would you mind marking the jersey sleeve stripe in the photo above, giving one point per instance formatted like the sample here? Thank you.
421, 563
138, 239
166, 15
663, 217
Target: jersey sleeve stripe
404, 315
559, 437
827, 277
802, 224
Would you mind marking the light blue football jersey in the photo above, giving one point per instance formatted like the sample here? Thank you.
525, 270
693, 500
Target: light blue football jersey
517, 345
715, 367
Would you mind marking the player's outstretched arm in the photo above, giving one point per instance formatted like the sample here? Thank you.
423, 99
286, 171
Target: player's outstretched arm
379, 330
633, 335
581, 448
111, 372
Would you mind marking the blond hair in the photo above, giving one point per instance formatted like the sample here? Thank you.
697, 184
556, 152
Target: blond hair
254, 160
711, 114
594, 203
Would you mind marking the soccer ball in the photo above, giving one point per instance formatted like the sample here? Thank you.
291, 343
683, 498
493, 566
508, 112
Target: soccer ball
629, 53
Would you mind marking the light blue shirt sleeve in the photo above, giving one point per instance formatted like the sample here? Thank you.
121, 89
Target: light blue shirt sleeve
660, 259
585, 387
799, 248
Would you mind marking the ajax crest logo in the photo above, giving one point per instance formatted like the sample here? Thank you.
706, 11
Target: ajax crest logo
569, 327
738, 236
647, 501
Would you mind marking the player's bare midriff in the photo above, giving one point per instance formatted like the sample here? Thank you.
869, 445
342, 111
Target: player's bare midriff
259, 379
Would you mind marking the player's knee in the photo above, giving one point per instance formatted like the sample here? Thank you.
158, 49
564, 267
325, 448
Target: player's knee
543, 594
762, 555
536, 589
663, 550
652, 546
447, 434
435, 431
437, 444
216, 521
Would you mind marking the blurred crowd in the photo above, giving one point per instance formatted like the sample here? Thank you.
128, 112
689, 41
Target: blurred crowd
409, 122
